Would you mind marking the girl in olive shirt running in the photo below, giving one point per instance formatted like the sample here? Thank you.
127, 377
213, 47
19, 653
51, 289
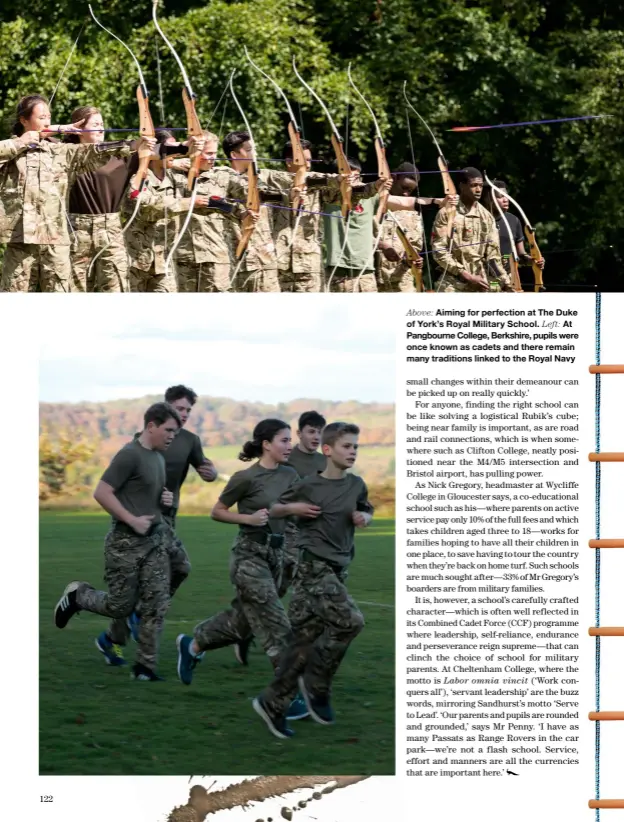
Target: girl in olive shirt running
257, 553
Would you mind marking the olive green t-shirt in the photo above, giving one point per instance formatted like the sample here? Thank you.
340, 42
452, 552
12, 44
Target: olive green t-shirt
306, 464
358, 251
256, 488
137, 476
184, 451
330, 535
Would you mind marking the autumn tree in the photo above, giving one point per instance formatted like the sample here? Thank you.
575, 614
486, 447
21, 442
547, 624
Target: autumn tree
57, 454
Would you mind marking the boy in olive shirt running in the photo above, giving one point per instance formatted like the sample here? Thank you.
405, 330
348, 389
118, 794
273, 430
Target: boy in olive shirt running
184, 451
305, 458
324, 618
136, 563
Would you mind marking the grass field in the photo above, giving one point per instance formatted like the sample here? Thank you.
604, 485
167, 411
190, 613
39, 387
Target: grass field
95, 720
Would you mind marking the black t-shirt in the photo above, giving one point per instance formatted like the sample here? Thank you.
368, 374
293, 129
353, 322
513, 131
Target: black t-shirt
516, 229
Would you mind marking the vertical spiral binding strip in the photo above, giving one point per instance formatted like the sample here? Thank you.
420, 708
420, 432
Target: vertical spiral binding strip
597, 566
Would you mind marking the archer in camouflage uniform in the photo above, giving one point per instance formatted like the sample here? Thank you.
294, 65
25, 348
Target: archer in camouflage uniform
153, 230
98, 251
470, 259
299, 235
393, 271
35, 177
350, 264
137, 572
205, 256
156, 214
257, 268
257, 554
324, 617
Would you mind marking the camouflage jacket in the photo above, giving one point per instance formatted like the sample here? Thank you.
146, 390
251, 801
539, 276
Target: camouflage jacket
474, 246
210, 236
303, 254
261, 252
412, 224
154, 229
35, 183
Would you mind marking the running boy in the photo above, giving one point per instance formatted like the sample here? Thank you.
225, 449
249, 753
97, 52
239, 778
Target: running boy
184, 451
305, 457
136, 562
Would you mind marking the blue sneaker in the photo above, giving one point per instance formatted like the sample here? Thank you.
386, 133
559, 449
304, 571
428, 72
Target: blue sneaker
133, 622
112, 652
186, 661
320, 707
297, 709
276, 724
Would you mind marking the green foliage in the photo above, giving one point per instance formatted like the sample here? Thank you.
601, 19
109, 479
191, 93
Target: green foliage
464, 62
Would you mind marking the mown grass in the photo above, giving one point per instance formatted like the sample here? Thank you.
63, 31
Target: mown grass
95, 720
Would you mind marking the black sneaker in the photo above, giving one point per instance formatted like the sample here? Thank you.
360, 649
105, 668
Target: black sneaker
144, 674
67, 606
241, 650
276, 724
320, 707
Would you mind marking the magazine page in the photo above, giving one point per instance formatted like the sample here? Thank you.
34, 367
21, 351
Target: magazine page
311, 383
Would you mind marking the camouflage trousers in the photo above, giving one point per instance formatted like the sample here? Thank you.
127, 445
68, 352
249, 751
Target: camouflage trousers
399, 280
255, 572
28, 267
346, 280
261, 279
452, 283
204, 277
290, 561
303, 282
136, 571
325, 620
179, 569
98, 253
149, 281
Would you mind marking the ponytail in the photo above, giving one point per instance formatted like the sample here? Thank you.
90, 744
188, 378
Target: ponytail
263, 432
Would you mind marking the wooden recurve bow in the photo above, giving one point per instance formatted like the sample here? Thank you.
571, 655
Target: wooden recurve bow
338, 145
294, 133
383, 169
447, 180
513, 260
412, 256
253, 195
